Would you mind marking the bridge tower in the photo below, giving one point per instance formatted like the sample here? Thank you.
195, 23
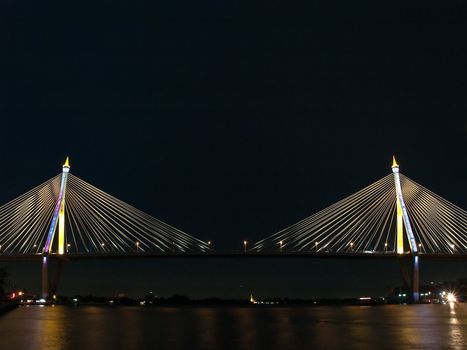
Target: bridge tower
57, 218
403, 221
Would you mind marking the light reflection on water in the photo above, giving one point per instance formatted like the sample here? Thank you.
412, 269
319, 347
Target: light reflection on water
92, 327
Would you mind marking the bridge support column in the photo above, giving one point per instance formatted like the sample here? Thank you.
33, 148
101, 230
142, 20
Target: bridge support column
50, 276
415, 278
406, 277
56, 278
45, 277
409, 267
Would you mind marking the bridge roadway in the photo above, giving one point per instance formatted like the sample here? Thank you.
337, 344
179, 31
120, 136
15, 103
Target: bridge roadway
232, 254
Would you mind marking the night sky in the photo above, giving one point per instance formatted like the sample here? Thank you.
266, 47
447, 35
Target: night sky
231, 121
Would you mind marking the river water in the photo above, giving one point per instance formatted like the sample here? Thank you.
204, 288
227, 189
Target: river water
93, 327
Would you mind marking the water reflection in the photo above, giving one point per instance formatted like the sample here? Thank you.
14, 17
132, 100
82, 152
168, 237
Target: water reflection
458, 338
384, 327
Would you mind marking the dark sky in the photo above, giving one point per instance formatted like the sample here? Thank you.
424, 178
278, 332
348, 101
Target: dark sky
231, 121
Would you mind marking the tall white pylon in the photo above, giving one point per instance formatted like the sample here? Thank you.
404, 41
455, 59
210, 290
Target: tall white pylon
403, 217
58, 217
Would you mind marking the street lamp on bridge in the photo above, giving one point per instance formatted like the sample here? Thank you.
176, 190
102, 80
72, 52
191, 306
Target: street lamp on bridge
244, 246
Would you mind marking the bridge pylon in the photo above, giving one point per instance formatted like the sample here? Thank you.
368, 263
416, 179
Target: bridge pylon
402, 218
57, 218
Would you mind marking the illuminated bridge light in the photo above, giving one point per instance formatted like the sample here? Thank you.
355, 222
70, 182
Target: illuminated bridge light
451, 298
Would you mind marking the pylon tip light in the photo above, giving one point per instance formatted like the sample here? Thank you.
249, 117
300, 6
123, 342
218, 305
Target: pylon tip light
394, 162
66, 166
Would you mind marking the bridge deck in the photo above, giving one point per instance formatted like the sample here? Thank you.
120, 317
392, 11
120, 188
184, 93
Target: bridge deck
288, 255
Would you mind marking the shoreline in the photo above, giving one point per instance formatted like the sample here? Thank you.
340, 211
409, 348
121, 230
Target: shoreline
5, 308
220, 306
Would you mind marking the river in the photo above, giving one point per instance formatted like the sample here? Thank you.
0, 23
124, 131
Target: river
96, 327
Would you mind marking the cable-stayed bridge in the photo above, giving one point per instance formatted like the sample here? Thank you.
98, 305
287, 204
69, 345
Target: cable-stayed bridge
375, 220
95, 223
67, 218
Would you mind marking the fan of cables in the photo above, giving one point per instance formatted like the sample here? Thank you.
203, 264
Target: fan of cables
365, 222
95, 222
25, 220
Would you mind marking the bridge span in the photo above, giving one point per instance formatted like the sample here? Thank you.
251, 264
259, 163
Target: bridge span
67, 219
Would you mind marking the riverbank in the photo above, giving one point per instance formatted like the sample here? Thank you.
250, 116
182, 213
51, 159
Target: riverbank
4, 308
